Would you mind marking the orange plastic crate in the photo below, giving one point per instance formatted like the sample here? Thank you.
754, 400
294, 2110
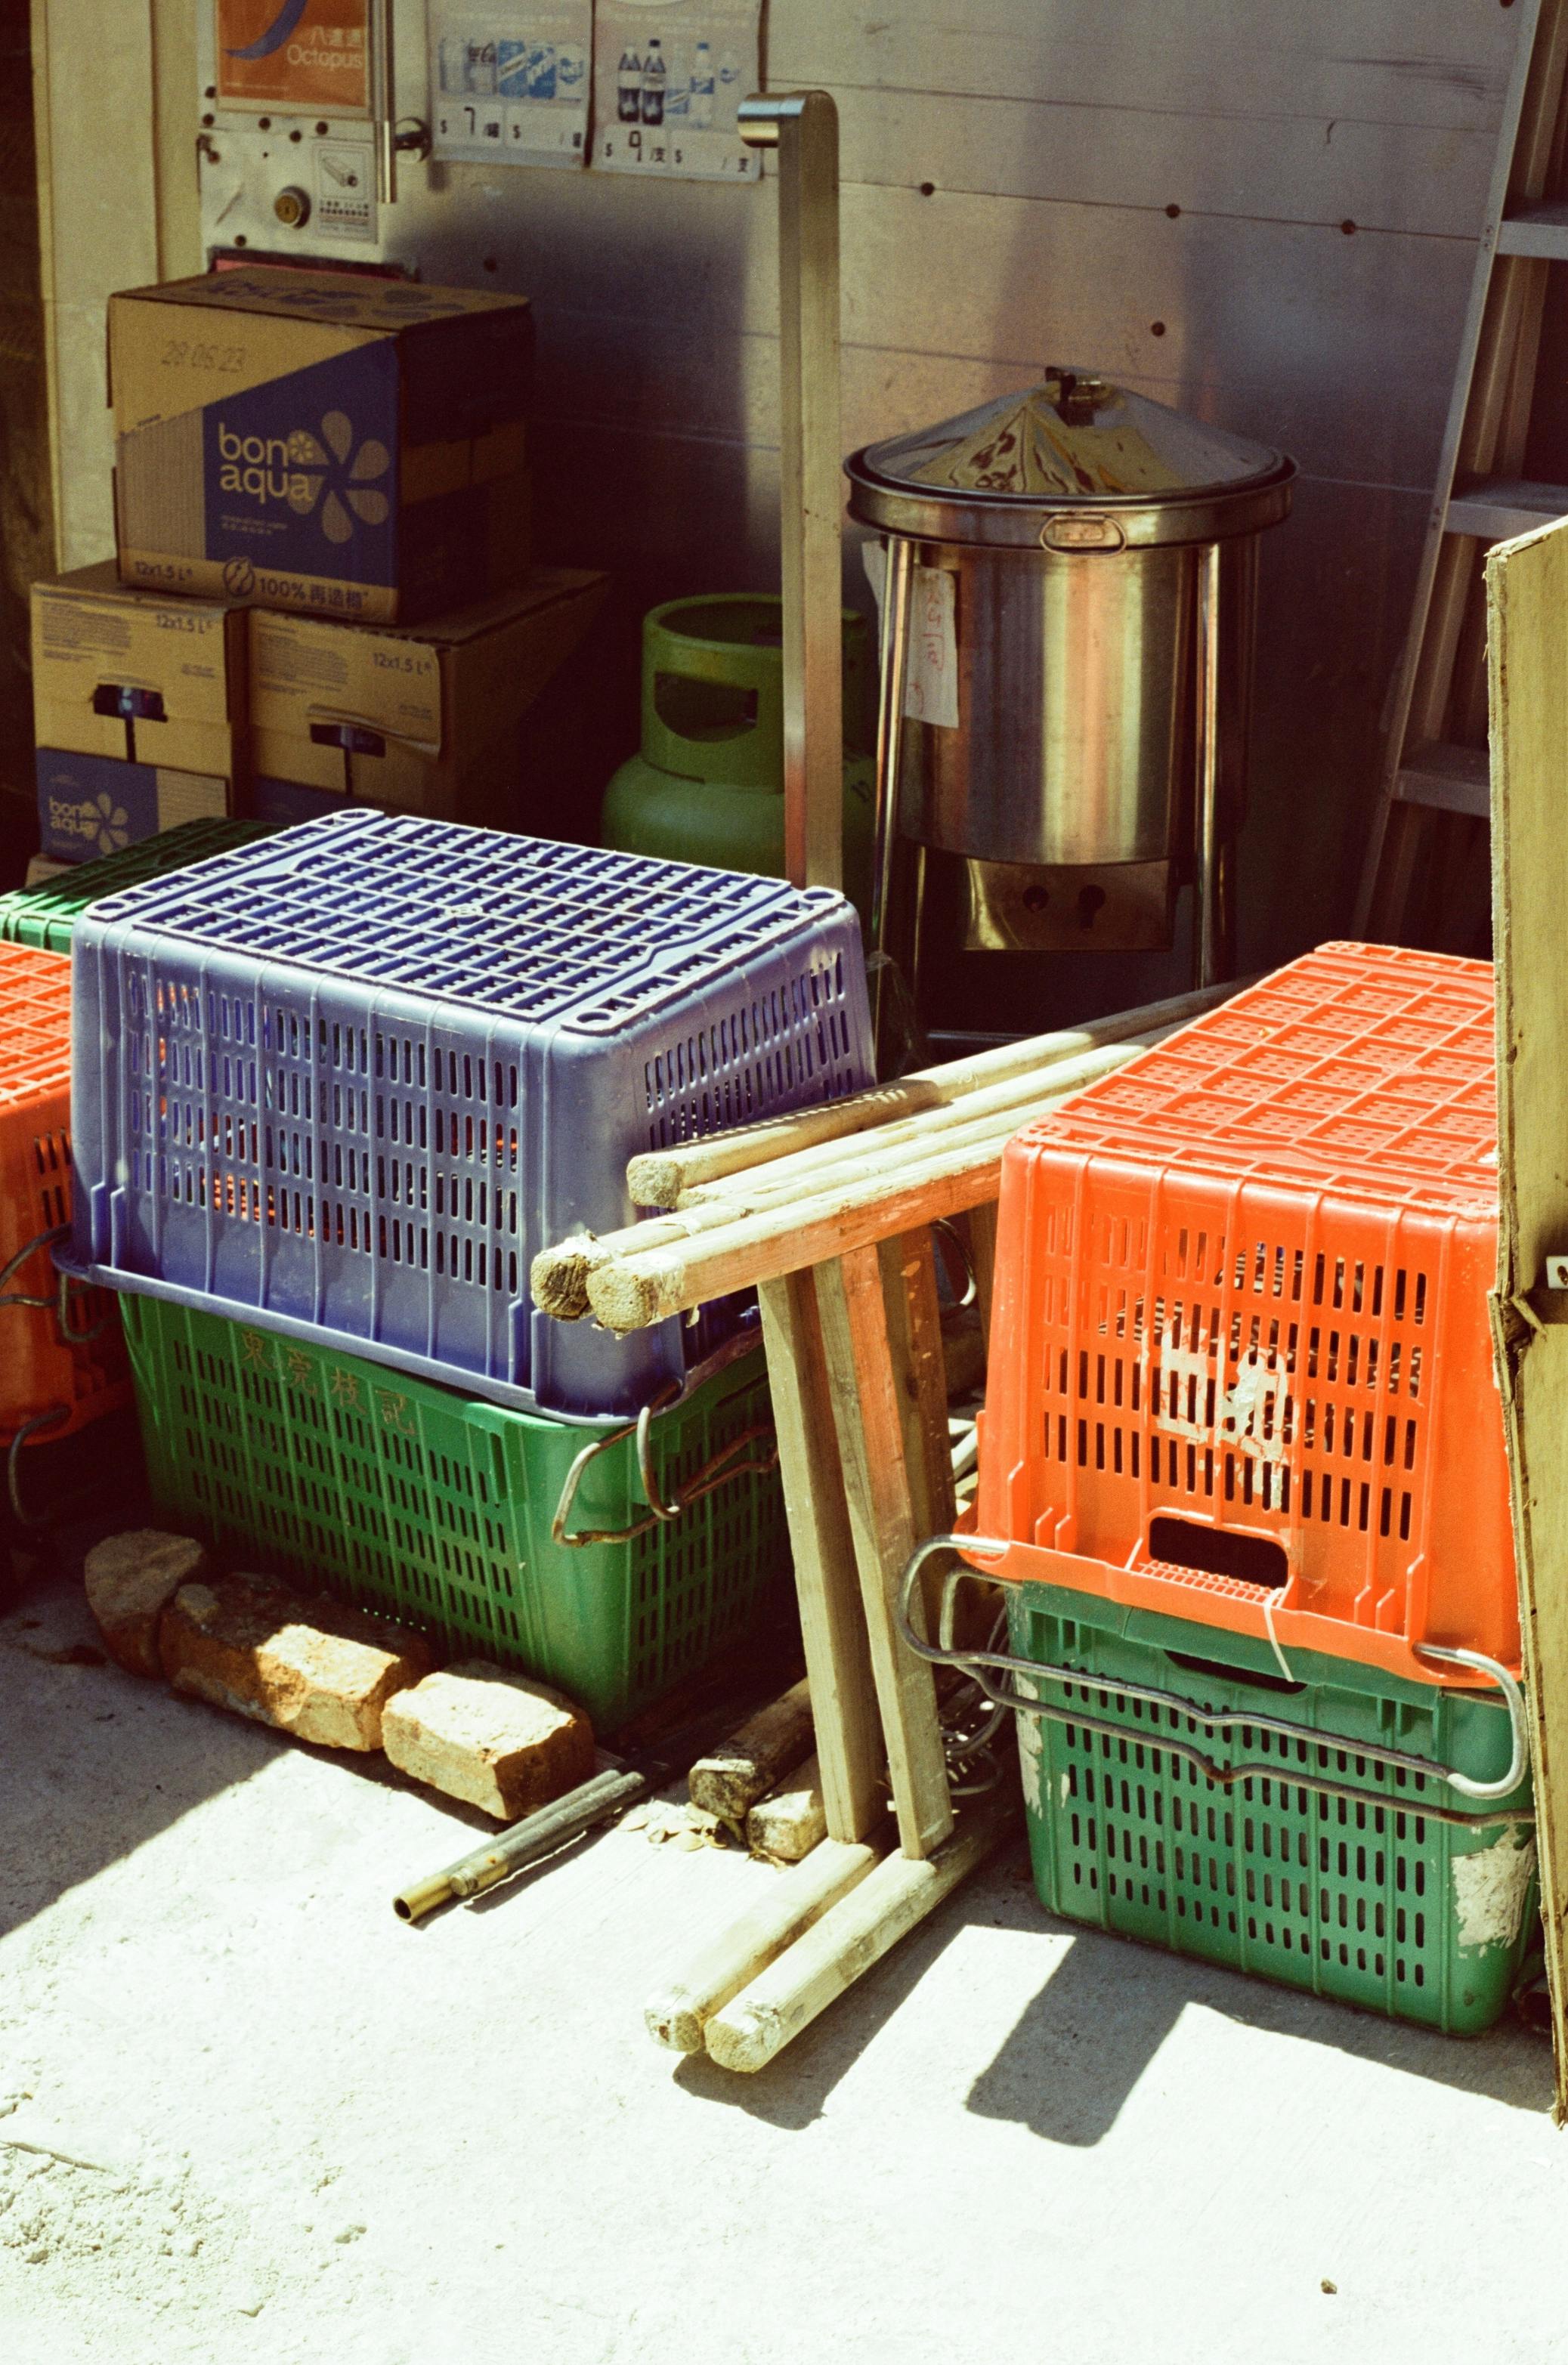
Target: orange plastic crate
39, 1371
1240, 1365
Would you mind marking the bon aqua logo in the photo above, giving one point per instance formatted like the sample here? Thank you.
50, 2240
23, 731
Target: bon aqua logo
326, 474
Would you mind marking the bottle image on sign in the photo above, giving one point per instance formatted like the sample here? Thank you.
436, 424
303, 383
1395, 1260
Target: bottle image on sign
479, 69
571, 74
629, 87
729, 100
542, 69
702, 89
677, 90
655, 76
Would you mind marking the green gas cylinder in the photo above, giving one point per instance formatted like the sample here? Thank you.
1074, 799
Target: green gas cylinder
709, 784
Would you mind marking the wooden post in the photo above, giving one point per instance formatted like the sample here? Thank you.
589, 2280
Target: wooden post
757, 2021
679, 2013
1528, 604
839, 1660
881, 1491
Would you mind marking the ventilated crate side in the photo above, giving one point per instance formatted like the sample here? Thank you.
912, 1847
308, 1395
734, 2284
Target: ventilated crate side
1372, 1899
437, 1509
1241, 1350
362, 1086
42, 1372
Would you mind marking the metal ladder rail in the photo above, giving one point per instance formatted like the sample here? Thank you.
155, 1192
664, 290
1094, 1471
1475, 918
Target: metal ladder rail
1435, 759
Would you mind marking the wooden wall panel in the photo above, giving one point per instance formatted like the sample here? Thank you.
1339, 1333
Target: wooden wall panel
1009, 171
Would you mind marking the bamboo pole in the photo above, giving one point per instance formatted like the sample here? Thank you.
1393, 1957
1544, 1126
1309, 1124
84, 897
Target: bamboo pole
659, 1178
786, 1995
679, 2012
632, 1290
561, 1276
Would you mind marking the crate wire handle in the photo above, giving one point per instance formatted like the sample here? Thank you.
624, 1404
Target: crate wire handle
982, 1664
949, 1232
24, 1518
58, 1298
716, 1472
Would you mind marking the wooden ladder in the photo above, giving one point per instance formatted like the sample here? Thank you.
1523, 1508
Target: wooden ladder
1424, 875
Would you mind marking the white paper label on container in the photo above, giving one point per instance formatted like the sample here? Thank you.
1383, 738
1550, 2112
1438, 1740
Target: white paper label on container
669, 76
931, 685
509, 81
930, 667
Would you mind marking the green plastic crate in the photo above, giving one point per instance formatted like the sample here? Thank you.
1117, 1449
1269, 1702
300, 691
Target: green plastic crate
436, 1509
1374, 1902
45, 915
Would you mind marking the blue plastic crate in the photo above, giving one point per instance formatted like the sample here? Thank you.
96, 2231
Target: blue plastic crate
348, 1082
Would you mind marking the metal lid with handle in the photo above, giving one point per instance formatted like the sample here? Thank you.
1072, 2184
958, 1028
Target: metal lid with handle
1075, 463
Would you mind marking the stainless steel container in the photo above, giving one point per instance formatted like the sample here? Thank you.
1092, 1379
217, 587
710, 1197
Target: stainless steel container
1090, 665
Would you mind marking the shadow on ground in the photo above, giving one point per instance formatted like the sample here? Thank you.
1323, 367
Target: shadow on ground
96, 1764
1087, 2038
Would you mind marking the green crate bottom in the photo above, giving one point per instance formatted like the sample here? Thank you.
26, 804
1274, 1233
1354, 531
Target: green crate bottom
1373, 1903
435, 1509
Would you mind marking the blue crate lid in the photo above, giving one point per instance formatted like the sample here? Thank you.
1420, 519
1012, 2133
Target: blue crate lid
523, 928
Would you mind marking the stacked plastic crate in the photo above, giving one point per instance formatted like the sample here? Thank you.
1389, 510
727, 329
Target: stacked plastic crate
62, 1364
1244, 1454
330, 1094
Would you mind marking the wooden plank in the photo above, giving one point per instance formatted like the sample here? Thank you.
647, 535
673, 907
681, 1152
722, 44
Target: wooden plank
1540, 230
942, 296
115, 210
839, 1663
842, 1945
1420, 179
679, 2014
1289, 58
659, 1178
1497, 509
643, 1287
1527, 615
914, 1335
1419, 708
581, 1270
176, 179
880, 1480
729, 1779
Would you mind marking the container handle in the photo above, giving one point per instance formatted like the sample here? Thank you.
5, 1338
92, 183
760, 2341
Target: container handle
716, 1472
988, 1666
57, 1301
24, 1518
1083, 530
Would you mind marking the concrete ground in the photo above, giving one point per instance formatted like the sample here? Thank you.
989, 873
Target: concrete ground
248, 2114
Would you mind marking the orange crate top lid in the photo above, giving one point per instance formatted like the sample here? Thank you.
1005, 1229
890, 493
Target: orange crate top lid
35, 1024
1364, 1069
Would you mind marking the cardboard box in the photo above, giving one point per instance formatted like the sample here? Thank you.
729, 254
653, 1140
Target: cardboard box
90, 805
136, 677
413, 718
353, 447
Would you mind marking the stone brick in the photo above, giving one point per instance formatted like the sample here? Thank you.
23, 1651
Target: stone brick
309, 1667
131, 1579
790, 1820
497, 1741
